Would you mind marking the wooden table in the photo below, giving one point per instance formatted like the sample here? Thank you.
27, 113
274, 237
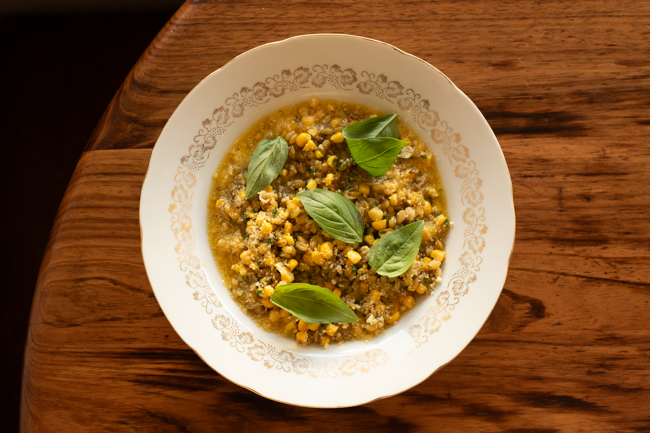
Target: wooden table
566, 88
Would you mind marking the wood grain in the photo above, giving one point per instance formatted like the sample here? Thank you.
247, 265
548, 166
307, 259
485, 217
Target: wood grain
565, 86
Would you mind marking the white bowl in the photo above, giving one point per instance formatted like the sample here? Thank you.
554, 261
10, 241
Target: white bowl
173, 218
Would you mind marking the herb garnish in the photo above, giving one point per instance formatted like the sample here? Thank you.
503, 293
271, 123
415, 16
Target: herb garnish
393, 254
275, 211
267, 161
334, 213
313, 304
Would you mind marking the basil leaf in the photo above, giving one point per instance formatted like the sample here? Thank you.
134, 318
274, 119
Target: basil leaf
375, 155
313, 304
393, 254
382, 126
267, 161
334, 213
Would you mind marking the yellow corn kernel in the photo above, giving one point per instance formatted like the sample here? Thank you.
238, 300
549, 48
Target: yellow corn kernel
274, 316
392, 318
393, 200
329, 178
301, 219
327, 250
245, 257
427, 208
369, 239
289, 240
422, 289
307, 120
375, 296
337, 292
266, 228
335, 122
440, 220
353, 256
284, 314
287, 276
242, 194
311, 184
317, 258
267, 188
331, 161
288, 228
306, 258
268, 291
409, 302
267, 303
392, 222
324, 341
302, 337
318, 154
384, 232
269, 260
375, 214
289, 250
302, 244
379, 225
302, 326
331, 329
313, 326
241, 270
309, 146
337, 138
220, 203
438, 255
284, 172
290, 326
365, 189
292, 264
282, 242
380, 307
433, 265
302, 139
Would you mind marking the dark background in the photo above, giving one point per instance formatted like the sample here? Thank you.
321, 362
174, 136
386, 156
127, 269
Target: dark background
61, 62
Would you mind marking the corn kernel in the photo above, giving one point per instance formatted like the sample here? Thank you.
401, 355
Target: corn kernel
337, 138
384, 232
440, 220
266, 228
427, 208
438, 255
292, 264
290, 326
337, 292
267, 303
274, 316
433, 265
311, 184
284, 172
302, 337
392, 318
353, 256
287, 276
313, 326
409, 302
288, 228
317, 258
327, 250
335, 122
379, 225
318, 154
365, 189
329, 178
422, 289
331, 161
331, 329
282, 242
324, 341
289, 240
284, 314
393, 200
306, 258
268, 291
269, 260
380, 307
307, 120
310, 145
375, 214
302, 139
375, 296
220, 203
242, 194
302, 326
369, 239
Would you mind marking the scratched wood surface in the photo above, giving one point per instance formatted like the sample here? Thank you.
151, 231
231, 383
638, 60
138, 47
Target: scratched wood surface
566, 88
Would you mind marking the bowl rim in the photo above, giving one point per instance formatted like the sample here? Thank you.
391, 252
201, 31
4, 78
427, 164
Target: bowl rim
399, 51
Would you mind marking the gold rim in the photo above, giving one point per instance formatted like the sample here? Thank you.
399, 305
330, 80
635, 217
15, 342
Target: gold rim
511, 196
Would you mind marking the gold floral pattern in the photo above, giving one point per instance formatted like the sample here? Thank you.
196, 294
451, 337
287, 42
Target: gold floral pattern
275, 87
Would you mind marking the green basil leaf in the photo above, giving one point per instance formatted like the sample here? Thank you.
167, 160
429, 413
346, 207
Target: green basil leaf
334, 213
393, 254
375, 155
382, 126
267, 161
313, 304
